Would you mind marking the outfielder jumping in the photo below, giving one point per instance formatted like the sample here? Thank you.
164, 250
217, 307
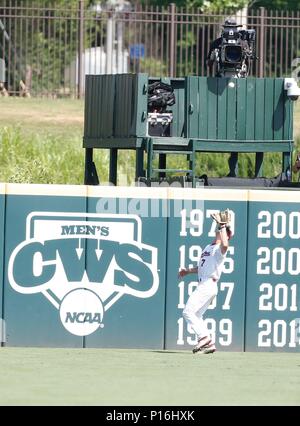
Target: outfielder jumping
209, 270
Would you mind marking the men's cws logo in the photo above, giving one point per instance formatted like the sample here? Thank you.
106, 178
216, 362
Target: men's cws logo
83, 263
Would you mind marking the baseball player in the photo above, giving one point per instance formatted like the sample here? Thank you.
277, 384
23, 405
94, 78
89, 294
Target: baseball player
209, 270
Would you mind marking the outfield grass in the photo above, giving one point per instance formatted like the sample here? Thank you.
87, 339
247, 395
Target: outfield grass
106, 377
41, 142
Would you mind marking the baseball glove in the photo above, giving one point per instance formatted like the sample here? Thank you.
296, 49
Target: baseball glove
222, 218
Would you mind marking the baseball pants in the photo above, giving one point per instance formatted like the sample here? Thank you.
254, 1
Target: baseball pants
197, 304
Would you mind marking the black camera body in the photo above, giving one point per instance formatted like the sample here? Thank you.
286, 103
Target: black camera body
233, 52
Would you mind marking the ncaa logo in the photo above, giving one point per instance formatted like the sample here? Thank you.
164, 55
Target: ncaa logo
73, 313
83, 264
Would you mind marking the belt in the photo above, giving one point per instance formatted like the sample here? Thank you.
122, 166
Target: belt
209, 278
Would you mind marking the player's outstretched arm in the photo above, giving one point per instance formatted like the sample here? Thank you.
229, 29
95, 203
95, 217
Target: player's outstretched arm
223, 219
224, 239
183, 272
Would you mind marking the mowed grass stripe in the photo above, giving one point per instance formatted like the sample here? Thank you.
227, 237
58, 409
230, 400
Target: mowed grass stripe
106, 377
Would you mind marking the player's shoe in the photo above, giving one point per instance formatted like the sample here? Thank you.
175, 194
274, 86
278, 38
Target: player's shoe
203, 342
209, 349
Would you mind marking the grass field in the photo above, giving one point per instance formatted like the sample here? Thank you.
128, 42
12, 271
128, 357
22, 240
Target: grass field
106, 377
41, 142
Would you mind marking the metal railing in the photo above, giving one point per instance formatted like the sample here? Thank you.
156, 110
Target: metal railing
51, 49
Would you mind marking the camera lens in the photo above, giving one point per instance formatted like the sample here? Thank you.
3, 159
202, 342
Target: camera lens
233, 54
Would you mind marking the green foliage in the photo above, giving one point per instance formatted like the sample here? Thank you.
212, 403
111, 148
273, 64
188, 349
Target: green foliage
51, 159
276, 4
38, 160
39, 145
49, 26
153, 67
232, 5
47, 158
216, 164
205, 5
215, 5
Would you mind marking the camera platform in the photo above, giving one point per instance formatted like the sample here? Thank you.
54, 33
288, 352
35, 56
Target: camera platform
210, 114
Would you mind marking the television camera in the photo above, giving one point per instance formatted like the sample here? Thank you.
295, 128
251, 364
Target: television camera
233, 52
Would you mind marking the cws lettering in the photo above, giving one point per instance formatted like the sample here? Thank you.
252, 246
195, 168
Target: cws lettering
129, 258
83, 267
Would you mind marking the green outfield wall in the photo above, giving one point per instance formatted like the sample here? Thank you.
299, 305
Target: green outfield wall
92, 266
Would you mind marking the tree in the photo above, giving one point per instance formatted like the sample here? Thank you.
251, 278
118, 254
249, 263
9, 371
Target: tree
34, 48
233, 5
205, 5
276, 4
213, 5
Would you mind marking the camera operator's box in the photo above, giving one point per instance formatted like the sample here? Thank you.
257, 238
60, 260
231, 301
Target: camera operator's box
220, 114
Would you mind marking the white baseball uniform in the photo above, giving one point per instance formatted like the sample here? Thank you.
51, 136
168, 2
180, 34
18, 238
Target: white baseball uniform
210, 267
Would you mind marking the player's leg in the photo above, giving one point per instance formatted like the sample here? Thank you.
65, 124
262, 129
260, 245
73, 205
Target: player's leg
210, 346
205, 339
209, 349
199, 301
209, 291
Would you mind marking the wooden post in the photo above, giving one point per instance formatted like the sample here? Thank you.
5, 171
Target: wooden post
139, 163
113, 164
259, 158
